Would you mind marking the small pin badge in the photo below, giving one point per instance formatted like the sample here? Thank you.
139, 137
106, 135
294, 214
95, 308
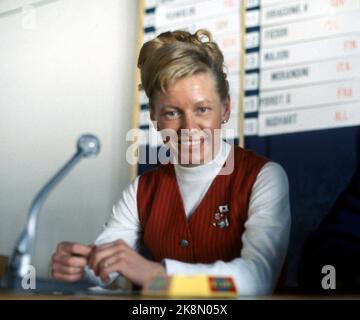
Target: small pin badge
220, 218
224, 208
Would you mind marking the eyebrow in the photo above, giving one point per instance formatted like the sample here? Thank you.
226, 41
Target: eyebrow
169, 106
200, 102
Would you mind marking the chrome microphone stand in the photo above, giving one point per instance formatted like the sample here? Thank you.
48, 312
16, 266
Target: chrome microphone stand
87, 146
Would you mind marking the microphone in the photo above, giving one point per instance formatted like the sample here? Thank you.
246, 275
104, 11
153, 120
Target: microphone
88, 146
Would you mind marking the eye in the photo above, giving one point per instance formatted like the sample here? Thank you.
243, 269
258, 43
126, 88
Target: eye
203, 110
171, 115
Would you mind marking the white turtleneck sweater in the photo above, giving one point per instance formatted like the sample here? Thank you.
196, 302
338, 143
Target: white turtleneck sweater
264, 241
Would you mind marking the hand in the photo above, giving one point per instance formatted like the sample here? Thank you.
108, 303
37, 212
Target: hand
69, 260
117, 256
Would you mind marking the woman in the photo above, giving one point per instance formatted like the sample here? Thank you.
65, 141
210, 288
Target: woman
193, 215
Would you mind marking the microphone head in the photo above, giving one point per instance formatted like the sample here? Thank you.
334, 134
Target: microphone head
88, 145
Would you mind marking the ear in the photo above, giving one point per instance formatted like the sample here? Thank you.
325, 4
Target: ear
226, 109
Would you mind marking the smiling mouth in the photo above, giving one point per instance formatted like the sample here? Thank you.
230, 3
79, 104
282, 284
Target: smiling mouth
192, 142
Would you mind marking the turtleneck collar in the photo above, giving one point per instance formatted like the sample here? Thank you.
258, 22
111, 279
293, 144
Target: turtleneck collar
205, 171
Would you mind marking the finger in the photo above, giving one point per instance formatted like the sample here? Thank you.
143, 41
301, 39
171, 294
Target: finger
117, 265
67, 270
75, 249
100, 251
106, 262
70, 261
69, 278
96, 249
105, 251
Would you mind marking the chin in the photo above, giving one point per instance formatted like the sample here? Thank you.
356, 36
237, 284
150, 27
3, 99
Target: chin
194, 155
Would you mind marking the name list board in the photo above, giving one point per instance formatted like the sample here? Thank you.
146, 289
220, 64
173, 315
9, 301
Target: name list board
302, 65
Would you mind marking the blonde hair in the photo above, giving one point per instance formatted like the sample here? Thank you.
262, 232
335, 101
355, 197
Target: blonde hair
177, 54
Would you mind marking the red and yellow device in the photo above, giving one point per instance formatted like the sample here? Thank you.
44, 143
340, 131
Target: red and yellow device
181, 286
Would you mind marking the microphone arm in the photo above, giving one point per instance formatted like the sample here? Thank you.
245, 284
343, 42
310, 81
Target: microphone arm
87, 146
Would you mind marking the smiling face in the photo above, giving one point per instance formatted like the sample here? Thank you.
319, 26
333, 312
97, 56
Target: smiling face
192, 109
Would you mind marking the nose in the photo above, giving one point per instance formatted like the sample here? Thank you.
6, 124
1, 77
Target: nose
189, 122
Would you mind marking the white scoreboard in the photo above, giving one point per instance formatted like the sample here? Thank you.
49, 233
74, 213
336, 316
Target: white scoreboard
302, 67
293, 65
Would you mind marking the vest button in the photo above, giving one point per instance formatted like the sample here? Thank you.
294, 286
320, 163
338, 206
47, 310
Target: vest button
184, 243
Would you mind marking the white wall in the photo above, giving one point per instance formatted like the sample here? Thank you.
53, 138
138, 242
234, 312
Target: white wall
66, 68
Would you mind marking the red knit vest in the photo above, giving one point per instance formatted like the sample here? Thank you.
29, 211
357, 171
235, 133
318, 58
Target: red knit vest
167, 233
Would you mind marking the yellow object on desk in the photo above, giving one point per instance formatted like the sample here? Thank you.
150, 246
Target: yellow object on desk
181, 286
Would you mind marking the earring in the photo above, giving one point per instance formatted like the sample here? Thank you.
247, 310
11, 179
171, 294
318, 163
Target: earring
224, 121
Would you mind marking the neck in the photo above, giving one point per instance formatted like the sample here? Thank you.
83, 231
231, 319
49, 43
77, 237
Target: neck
205, 169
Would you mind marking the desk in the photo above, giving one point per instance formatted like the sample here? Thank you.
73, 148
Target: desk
9, 295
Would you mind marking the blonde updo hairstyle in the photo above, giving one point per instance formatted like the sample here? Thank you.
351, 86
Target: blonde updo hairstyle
174, 55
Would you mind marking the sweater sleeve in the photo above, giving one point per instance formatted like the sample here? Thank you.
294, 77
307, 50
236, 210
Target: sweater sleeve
265, 239
124, 224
